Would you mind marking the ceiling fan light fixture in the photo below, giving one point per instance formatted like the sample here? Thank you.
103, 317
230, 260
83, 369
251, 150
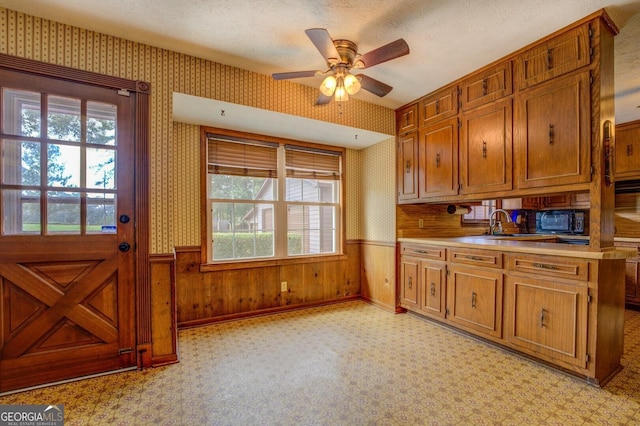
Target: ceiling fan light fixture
352, 84
328, 86
341, 93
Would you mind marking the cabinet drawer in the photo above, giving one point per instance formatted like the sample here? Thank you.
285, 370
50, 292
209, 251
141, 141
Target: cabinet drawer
407, 119
487, 86
486, 258
559, 55
424, 251
551, 266
440, 105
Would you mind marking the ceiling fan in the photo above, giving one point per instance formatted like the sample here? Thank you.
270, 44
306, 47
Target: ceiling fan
342, 57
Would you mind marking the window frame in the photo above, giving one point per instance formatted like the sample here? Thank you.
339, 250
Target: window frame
208, 264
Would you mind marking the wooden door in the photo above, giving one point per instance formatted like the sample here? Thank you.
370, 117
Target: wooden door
475, 299
67, 263
486, 149
549, 318
552, 133
407, 167
627, 152
438, 160
433, 288
409, 275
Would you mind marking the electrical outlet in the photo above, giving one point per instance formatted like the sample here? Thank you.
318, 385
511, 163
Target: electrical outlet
420, 223
283, 286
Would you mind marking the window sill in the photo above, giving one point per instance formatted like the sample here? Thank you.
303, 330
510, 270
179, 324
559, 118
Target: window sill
245, 264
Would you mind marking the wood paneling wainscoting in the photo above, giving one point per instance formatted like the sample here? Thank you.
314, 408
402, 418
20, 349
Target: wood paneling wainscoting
379, 274
235, 292
164, 347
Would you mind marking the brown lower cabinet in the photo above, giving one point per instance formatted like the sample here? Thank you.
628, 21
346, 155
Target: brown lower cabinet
632, 276
563, 310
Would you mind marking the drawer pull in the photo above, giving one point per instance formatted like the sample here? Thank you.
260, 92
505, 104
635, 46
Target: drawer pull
474, 258
474, 297
543, 311
545, 266
433, 289
422, 251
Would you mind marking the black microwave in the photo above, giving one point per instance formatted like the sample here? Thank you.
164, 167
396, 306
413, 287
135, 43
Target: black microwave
572, 222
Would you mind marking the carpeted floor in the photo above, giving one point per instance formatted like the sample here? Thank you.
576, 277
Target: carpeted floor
346, 364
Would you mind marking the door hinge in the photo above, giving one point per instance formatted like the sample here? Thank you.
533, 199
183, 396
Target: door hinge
123, 351
123, 92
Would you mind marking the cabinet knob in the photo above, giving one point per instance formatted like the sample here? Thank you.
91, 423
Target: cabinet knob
551, 134
630, 149
433, 289
484, 149
408, 168
474, 297
410, 283
437, 160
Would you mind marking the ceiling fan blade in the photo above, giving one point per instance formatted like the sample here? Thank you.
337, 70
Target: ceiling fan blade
323, 99
323, 42
293, 74
393, 50
374, 86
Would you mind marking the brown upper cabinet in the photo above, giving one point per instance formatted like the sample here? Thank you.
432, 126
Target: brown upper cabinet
438, 106
486, 149
486, 86
552, 133
407, 167
555, 57
407, 119
627, 151
438, 159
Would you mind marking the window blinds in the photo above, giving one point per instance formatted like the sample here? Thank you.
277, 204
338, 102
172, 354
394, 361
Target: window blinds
308, 163
241, 158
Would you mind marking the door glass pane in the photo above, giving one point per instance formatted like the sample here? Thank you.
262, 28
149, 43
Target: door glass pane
63, 212
21, 212
20, 163
63, 119
101, 213
101, 123
21, 112
63, 166
101, 169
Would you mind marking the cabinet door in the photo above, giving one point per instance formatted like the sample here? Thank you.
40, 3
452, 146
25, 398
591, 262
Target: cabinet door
487, 86
409, 284
551, 133
474, 299
562, 54
627, 151
433, 289
407, 119
631, 293
440, 105
548, 319
407, 167
486, 149
438, 159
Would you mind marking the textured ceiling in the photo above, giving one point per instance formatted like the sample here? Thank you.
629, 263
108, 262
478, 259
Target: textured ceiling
447, 38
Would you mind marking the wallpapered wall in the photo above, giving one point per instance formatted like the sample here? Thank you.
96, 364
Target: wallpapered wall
173, 196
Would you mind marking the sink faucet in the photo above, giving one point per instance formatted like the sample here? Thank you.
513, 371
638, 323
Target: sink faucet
494, 222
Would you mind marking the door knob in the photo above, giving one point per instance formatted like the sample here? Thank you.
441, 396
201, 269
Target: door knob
124, 246
124, 218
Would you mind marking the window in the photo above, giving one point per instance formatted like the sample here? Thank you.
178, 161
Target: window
58, 164
267, 199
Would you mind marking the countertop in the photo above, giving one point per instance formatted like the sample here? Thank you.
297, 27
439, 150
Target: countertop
529, 244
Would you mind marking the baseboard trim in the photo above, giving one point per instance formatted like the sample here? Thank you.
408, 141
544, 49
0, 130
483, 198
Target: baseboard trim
270, 311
